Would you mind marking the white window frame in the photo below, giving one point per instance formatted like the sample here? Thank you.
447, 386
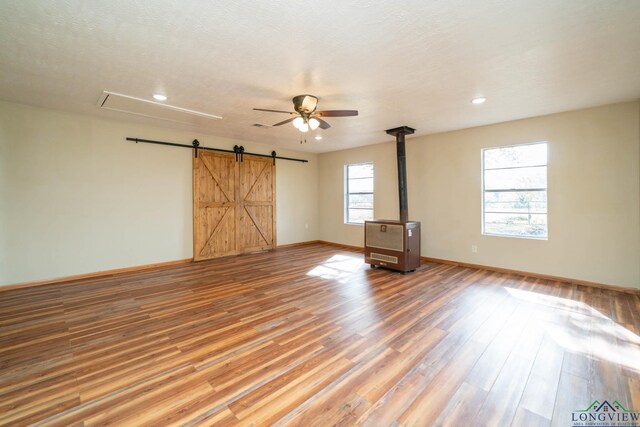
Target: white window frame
347, 193
483, 190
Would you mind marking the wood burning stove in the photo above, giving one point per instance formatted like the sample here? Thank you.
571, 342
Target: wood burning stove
390, 243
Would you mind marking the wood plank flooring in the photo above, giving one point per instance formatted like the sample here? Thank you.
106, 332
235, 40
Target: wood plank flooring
311, 336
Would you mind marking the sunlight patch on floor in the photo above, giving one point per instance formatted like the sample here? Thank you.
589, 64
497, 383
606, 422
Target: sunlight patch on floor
339, 267
585, 330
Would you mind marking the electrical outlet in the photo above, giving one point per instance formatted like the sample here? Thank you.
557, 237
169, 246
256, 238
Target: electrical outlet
474, 249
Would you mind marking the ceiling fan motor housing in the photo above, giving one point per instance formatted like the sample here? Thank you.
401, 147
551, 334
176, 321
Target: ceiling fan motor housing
305, 103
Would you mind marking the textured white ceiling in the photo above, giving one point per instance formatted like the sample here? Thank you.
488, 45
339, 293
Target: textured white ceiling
412, 62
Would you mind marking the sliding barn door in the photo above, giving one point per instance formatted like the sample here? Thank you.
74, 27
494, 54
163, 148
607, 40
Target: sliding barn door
215, 209
233, 205
257, 204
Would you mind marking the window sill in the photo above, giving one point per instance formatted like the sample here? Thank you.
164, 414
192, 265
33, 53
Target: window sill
513, 236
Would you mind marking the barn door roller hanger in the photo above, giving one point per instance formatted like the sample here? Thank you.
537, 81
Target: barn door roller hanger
238, 150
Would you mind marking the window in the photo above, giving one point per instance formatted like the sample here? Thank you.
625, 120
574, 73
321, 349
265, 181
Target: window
514, 196
358, 193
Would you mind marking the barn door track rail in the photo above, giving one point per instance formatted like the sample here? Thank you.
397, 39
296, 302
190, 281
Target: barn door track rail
238, 150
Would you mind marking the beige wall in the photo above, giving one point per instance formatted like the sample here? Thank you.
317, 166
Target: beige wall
594, 194
331, 203
75, 197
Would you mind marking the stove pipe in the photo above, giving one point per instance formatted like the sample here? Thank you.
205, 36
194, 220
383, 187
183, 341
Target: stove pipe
399, 133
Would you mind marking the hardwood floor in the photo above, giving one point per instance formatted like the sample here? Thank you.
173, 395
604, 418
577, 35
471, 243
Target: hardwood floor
311, 336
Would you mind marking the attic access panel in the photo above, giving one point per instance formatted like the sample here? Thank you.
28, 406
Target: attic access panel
155, 110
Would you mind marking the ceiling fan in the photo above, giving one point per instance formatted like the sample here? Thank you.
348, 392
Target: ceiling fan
306, 116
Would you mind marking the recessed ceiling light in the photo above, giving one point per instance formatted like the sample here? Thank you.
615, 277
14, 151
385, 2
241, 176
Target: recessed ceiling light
160, 97
478, 100
318, 137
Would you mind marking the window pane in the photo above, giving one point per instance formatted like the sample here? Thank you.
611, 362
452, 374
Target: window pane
515, 190
361, 171
526, 225
526, 177
361, 185
360, 215
361, 201
516, 201
359, 197
520, 155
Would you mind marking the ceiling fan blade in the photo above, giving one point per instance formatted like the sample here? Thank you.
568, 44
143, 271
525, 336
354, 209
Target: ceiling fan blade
274, 111
284, 122
337, 113
323, 124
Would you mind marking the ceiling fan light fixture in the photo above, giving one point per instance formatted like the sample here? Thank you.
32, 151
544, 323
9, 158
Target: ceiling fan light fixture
314, 123
297, 122
304, 127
